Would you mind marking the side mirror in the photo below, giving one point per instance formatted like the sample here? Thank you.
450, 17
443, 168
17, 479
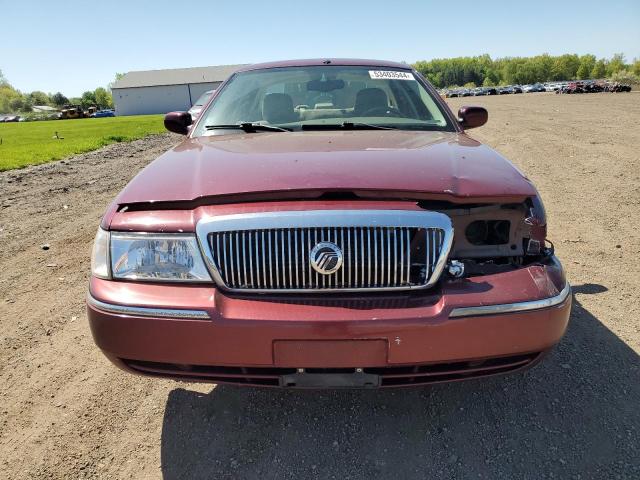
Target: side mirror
178, 122
472, 117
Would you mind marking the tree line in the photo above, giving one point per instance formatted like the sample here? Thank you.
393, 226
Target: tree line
13, 100
485, 71
441, 72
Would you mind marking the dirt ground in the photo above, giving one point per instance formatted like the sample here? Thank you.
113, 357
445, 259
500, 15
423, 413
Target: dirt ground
66, 412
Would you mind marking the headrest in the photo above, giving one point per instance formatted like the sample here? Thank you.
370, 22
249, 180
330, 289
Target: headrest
278, 108
370, 98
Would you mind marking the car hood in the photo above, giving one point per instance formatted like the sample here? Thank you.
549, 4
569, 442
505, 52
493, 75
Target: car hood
369, 164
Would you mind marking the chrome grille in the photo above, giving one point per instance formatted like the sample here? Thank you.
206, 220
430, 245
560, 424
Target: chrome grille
381, 250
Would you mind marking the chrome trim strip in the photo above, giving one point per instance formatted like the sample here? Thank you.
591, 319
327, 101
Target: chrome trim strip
224, 255
512, 307
277, 257
251, 242
369, 256
263, 253
375, 256
237, 257
314, 219
350, 253
146, 311
401, 257
342, 246
388, 257
362, 282
409, 256
395, 256
427, 251
269, 232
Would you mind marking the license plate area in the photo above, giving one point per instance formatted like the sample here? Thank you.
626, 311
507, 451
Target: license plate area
326, 354
330, 380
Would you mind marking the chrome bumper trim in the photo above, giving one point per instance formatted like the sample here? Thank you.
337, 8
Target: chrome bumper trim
512, 307
147, 311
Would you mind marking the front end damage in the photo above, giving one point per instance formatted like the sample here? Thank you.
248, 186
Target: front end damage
500, 303
496, 238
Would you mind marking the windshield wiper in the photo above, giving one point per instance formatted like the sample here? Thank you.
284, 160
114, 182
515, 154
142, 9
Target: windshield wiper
248, 127
345, 126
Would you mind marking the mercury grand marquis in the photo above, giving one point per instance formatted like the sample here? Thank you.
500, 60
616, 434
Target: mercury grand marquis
327, 223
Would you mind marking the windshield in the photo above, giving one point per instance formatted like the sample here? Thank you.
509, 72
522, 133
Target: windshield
297, 98
204, 98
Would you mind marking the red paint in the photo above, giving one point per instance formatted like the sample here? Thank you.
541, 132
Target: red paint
242, 329
265, 172
329, 353
384, 164
185, 220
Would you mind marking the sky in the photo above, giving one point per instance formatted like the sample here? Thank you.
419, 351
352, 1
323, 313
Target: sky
73, 46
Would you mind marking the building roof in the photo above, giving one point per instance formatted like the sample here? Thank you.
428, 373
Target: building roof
176, 76
219, 73
43, 108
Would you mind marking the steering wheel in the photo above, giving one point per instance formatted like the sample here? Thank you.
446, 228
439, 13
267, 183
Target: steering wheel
381, 111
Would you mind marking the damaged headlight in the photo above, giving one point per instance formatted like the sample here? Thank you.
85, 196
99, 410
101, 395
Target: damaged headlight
151, 257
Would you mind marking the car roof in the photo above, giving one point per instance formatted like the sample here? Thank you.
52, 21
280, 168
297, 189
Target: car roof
326, 61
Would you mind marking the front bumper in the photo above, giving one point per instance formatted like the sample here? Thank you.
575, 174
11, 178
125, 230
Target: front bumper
460, 329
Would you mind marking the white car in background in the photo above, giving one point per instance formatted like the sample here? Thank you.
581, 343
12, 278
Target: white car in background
200, 103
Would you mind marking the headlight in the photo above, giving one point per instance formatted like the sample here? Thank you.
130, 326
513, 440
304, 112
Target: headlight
152, 257
100, 255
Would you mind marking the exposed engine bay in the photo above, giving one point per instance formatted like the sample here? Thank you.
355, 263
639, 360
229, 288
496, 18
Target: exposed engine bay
494, 238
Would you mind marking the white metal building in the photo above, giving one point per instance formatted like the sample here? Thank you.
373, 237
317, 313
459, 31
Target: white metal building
162, 91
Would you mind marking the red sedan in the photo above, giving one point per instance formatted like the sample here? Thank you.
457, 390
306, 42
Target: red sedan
327, 223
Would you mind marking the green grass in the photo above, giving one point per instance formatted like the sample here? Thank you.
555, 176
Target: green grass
31, 143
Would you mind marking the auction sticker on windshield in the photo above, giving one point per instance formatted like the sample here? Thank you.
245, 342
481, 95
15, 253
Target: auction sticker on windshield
390, 75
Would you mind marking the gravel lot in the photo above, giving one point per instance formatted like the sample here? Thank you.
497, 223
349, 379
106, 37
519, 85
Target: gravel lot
65, 412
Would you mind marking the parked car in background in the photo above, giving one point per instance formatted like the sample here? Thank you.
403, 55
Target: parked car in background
302, 236
71, 111
505, 90
517, 89
617, 87
195, 110
536, 87
591, 86
484, 91
103, 113
572, 88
